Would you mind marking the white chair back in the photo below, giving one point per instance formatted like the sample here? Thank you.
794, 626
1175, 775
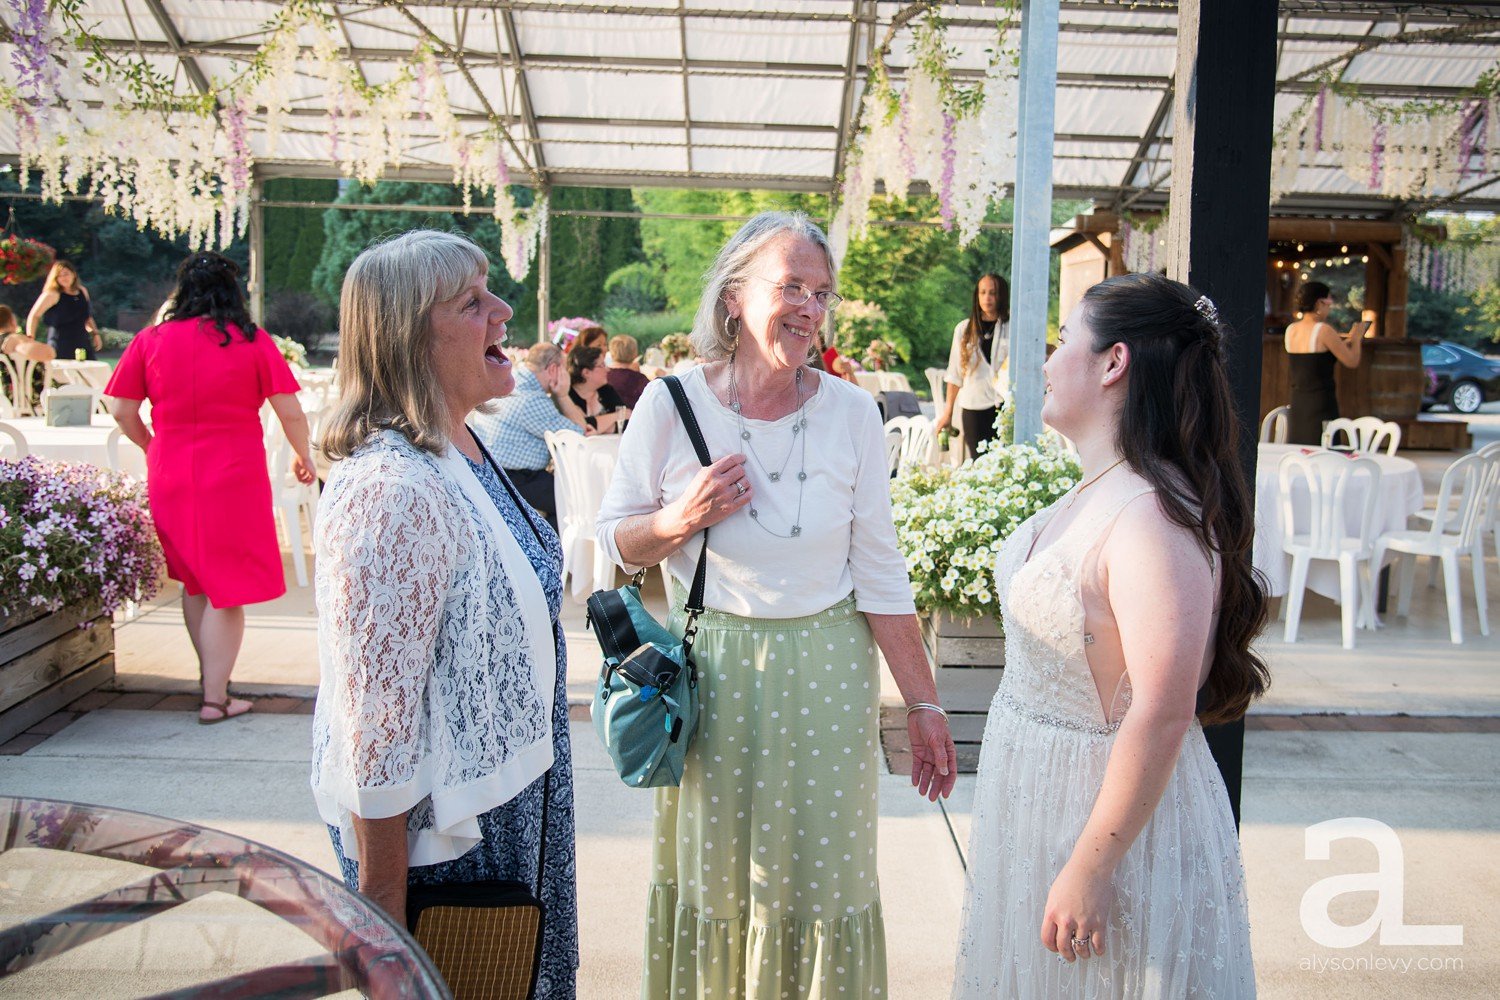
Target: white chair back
14, 399
937, 385
579, 494
1366, 434
1328, 477
893, 440
1273, 429
112, 449
1464, 500
293, 501
868, 381
917, 439
13, 445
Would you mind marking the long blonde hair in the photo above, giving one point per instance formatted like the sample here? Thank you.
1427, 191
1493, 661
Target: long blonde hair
385, 375
53, 285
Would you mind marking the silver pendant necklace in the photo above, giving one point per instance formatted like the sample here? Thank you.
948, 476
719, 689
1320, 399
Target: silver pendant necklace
799, 442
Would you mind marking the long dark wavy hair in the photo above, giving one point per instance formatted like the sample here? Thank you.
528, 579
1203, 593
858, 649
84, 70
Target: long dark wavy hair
1178, 430
969, 344
208, 285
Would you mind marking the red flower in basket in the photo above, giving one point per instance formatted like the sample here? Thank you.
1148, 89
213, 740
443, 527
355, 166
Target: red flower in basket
24, 259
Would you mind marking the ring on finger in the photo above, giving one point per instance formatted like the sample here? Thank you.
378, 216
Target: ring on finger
1080, 944
739, 488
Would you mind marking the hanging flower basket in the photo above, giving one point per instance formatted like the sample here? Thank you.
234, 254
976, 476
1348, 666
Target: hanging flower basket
23, 260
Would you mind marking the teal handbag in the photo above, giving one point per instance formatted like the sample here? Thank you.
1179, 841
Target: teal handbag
646, 703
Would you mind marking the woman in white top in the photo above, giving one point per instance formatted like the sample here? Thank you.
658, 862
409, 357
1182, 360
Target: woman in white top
764, 880
443, 697
981, 347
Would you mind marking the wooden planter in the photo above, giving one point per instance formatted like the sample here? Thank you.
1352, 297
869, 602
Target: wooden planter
969, 658
47, 661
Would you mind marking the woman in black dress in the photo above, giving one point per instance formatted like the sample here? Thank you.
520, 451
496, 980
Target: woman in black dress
1314, 348
602, 407
69, 316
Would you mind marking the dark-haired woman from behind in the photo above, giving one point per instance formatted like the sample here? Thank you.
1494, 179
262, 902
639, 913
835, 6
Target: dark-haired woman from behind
1315, 348
207, 368
1104, 859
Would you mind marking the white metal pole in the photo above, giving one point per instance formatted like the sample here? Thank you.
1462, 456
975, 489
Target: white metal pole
1031, 253
256, 279
543, 283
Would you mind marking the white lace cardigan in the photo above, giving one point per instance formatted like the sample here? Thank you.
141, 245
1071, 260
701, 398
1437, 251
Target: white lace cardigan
435, 647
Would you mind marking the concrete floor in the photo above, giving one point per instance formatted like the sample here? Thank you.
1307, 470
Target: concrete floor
1439, 793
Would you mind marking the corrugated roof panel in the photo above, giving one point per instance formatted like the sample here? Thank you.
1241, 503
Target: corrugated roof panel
765, 100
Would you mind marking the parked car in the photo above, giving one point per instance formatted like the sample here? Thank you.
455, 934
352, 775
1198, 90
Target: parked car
1459, 376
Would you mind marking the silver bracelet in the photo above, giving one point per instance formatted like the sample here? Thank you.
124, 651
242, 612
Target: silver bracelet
927, 705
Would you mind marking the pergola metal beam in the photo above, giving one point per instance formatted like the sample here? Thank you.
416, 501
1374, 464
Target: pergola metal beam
687, 107
523, 90
175, 46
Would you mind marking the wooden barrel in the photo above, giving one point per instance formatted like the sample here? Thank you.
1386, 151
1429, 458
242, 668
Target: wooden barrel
1387, 384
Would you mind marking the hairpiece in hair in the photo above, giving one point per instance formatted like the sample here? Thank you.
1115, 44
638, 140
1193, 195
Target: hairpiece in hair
1207, 309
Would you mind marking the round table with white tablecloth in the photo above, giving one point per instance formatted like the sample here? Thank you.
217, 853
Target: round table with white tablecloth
1400, 497
80, 444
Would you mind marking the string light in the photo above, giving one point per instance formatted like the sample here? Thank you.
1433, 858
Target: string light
1344, 248
1311, 264
1365, 259
1299, 247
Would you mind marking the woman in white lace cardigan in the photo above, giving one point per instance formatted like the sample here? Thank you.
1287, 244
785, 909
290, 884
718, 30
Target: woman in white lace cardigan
442, 702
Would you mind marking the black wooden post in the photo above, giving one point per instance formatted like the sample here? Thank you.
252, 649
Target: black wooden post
1217, 231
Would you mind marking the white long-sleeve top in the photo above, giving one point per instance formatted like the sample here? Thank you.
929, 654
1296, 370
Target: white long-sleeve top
980, 389
847, 542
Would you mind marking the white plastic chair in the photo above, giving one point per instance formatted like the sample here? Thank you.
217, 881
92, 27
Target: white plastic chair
13, 446
1273, 429
293, 501
917, 439
868, 381
1328, 479
937, 384
579, 494
1364, 434
893, 440
112, 449
1465, 496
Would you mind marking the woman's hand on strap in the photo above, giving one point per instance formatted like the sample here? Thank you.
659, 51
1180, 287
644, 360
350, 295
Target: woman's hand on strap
716, 492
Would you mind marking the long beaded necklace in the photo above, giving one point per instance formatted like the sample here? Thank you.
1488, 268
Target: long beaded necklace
799, 441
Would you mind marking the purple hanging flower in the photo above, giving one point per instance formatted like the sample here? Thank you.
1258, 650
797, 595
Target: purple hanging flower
1377, 154
1318, 104
37, 76
908, 155
945, 184
502, 168
239, 145
1471, 129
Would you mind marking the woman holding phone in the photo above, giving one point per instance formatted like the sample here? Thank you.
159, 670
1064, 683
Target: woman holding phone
1315, 347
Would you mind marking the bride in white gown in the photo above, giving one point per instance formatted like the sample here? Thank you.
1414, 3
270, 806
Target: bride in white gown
1104, 860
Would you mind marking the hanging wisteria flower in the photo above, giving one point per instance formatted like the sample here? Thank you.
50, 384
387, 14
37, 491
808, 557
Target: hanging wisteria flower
950, 523
37, 76
71, 533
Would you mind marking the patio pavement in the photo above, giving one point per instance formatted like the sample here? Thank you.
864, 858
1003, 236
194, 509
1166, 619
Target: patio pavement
1320, 747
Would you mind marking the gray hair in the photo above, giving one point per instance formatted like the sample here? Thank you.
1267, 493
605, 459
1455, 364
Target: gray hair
711, 337
385, 374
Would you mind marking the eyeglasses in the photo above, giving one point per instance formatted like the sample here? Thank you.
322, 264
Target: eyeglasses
796, 294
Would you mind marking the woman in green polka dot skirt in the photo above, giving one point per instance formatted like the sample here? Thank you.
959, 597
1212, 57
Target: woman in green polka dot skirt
764, 876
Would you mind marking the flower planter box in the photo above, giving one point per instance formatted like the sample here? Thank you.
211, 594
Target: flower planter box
968, 657
47, 661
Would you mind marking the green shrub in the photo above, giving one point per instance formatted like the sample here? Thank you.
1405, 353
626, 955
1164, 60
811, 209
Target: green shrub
636, 288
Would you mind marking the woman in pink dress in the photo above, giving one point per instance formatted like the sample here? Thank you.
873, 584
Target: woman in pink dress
207, 369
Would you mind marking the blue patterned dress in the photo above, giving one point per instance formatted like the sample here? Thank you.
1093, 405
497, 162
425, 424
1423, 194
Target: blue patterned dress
510, 831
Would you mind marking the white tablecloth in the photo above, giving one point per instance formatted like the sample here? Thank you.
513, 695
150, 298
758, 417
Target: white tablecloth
1400, 497
80, 444
66, 371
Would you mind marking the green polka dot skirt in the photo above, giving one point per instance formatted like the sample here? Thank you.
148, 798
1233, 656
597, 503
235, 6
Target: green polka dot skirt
764, 884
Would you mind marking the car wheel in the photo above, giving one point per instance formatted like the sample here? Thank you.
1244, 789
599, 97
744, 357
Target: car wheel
1466, 397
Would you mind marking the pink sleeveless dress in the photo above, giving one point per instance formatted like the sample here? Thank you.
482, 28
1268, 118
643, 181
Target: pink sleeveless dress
210, 490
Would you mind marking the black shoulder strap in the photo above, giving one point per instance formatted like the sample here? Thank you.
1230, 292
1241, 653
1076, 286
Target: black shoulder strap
694, 604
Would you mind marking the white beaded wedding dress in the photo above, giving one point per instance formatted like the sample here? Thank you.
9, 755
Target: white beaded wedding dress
1179, 926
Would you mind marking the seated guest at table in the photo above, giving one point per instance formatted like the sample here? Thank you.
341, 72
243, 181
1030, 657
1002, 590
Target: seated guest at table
603, 410
625, 369
65, 308
440, 740
207, 370
514, 430
18, 344
591, 336
1315, 348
